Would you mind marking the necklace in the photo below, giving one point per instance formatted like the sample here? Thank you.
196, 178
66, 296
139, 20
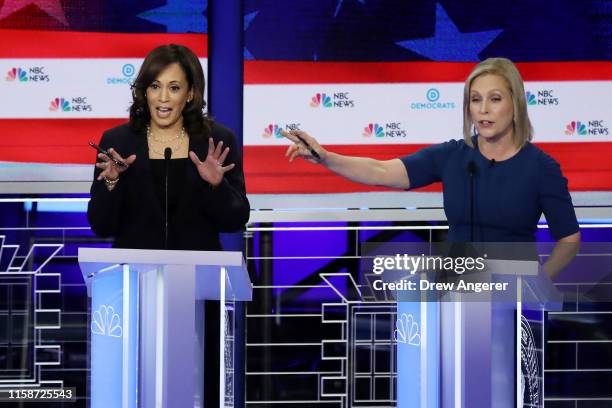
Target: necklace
175, 142
179, 135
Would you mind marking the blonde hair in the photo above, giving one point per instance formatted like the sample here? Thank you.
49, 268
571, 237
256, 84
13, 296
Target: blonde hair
503, 67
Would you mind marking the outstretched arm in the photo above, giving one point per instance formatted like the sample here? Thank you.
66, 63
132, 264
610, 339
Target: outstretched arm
364, 170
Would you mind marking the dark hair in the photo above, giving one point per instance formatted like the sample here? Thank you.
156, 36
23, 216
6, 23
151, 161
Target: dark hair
196, 122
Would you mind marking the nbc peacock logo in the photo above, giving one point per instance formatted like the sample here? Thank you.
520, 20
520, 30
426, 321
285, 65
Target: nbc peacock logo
321, 99
272, 130
575, 127
106, 322
18, 74
373, 129
542, 97
407, 330
59, 105
531, 98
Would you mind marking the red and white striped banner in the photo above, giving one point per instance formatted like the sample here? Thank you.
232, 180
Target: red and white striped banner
387, 110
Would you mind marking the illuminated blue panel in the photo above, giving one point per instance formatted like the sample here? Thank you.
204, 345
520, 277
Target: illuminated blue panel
113, 355
418, 354
66, 206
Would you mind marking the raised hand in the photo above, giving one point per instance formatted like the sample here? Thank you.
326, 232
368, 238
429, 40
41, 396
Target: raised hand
304, 145
212, 169
110, 171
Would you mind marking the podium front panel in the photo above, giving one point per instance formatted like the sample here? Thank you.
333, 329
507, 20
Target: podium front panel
114, 339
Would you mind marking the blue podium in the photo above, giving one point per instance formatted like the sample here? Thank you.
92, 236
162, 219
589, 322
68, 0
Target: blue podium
147, 324
475, 350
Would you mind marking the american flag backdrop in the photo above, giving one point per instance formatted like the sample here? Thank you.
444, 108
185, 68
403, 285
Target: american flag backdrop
368, 77
384, 78
65, 72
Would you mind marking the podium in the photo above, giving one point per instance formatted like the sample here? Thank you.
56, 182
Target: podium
147, 324
473, 349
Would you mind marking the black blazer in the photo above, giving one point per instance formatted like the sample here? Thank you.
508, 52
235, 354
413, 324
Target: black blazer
132, 213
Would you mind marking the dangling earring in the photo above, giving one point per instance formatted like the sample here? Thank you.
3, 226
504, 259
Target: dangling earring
474, 133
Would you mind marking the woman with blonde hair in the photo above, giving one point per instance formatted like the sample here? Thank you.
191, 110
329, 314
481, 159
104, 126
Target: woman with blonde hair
496, 184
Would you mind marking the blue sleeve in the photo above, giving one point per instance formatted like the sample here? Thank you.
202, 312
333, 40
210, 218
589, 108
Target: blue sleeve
555, 200
426, 166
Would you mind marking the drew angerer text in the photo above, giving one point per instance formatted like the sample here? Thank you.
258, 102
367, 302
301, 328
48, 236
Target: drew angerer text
425, 285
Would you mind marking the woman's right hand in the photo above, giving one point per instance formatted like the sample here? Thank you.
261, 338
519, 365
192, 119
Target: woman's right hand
302, 145
110, 171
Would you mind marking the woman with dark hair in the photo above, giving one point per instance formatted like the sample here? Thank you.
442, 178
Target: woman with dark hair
178, 202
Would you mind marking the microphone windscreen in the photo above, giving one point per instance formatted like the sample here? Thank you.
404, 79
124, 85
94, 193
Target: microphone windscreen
167, 153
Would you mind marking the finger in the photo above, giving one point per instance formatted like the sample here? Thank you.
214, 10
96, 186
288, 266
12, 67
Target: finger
128, 162
289, 136
115, 155
290, 150
130, 159
211, 146
194, 158
219, 148
103, 157
223, 156
295, 154
107, 171
227, 168
102, 166
305, 136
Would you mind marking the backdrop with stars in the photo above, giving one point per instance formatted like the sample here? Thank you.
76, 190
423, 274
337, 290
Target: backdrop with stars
65, 72
385, 78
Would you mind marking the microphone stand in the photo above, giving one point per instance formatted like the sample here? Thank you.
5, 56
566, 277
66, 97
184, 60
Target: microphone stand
167, 156
471, 171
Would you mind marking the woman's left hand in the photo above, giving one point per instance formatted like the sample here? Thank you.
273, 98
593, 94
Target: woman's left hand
212, 169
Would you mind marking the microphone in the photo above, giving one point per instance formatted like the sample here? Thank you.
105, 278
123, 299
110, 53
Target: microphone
471, 168
492, 163
167, 156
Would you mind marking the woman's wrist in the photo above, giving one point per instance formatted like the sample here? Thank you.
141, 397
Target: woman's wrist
325, 157
110, 183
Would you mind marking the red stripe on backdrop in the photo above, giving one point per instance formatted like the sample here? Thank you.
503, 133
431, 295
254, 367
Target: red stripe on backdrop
51, 140
587, 165
289, 72
267, 171
76, 44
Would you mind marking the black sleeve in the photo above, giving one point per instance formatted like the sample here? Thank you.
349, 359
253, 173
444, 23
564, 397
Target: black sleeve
227, 204
104, 206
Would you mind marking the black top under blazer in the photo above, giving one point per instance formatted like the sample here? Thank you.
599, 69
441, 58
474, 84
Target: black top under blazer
132, 212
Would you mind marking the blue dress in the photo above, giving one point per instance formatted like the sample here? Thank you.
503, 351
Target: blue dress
509, 196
